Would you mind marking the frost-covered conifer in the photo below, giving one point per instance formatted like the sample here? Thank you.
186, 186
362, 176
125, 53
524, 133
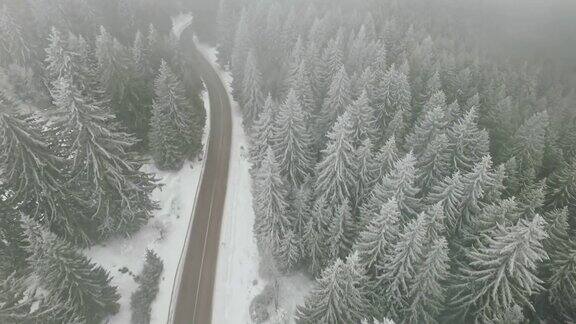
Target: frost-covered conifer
338, 297
270, 204
263, 132
530, 140
336, 101
427, 293
468, 143
292, 141
289, 252
377, 239
367, 171
251, 97
13, 46
337, 172
120, 197
363, 121
342, 231
502, 271
174, 135
69, 277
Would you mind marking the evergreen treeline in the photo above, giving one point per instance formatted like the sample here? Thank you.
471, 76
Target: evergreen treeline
87, 91
416, 177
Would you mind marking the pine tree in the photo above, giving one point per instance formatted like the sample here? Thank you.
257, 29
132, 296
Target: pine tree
367, 172
270, 204
377, 239
394, 97
530, 140
450, 194
13, 46
315, 239
561, 268
342, 231
59, 59
292, 141
401, 266
468, 144
174, 133
119, 197
70, 277
263, 132
338, 297
433, 163
427, 292
35, 169
387, 156
140, 62
502, 271
398, 184
12, 241
431, 126
562, 187
289, 253
242, 45
252, 98
362, 119
337, 99
337, 172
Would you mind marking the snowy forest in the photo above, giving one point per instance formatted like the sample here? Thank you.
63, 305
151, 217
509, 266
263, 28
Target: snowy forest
417, 175
89, 92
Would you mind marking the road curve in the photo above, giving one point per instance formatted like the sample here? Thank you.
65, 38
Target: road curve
193, 300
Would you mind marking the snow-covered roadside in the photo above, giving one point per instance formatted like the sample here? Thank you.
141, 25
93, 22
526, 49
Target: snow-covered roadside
237, 278
165, 233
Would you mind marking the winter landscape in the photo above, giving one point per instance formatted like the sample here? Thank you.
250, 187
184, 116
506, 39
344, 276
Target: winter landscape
287, 161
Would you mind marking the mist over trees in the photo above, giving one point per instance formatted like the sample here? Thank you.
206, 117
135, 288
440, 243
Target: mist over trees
424, 176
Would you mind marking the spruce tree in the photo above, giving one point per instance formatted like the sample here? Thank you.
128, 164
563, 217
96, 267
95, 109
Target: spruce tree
377, 239
394, 97
501, 272
342, 231
398, 184
338, 297
367, 171
468, 143
337, 171
242, 45
401, 266
433, 164
292, 141
289, 252
252, 98
175, 135
270, 204
120, 197
13, 46
12, 241
431, 126
337, 99
262, 134
362, 119
386, 157
449, 192
562, 187
69, 277
530, 140
315, 238
427, 293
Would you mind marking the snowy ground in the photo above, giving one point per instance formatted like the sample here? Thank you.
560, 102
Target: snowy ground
165, 233
237, 279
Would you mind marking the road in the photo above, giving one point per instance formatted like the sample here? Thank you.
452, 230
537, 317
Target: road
193, 302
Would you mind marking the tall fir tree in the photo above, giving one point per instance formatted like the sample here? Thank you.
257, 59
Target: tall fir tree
337, 171
252, 98
262, 135
427, 294
501, 272
338, 297
337, 99
468, 143
270, 204
379, 236
120, 197
176, 132
70, 277
293, 142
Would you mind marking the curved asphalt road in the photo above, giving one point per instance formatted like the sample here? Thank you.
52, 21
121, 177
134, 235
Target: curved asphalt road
193, 304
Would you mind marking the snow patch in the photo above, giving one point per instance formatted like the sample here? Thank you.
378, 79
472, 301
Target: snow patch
165, 233
181, 22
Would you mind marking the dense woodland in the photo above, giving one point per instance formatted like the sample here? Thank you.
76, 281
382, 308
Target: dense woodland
88, 94
415, 175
